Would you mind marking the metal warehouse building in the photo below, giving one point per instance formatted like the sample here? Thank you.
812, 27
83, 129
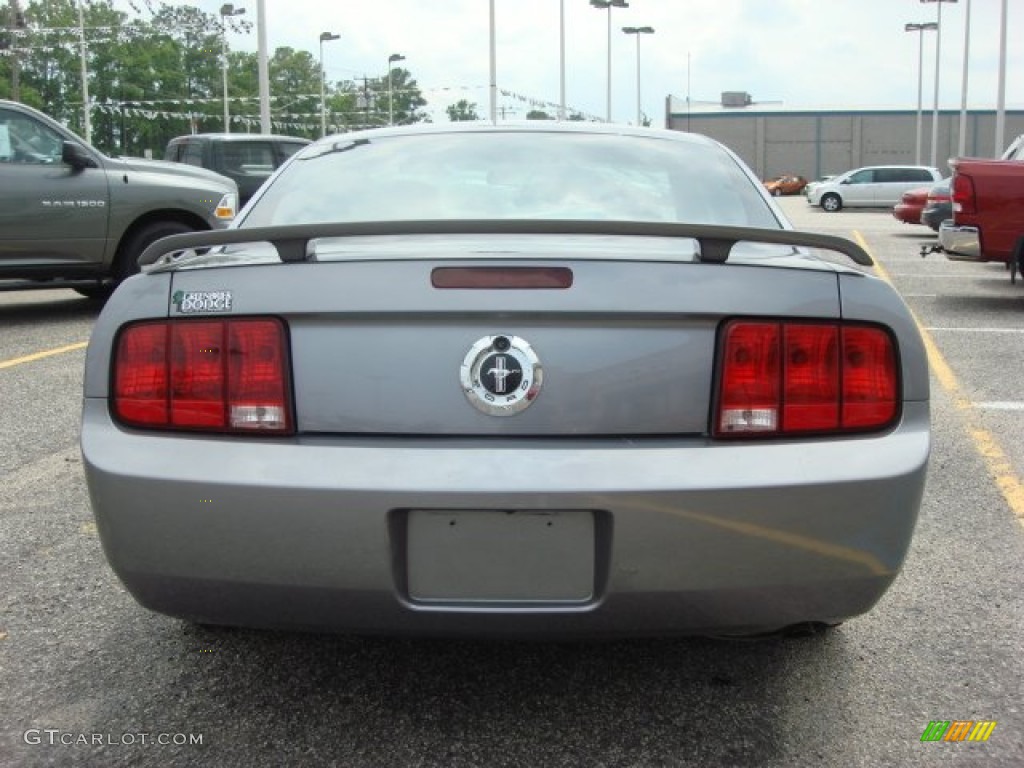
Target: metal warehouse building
774, 140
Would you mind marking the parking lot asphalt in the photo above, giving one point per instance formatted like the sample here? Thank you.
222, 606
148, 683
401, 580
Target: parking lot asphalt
91, 679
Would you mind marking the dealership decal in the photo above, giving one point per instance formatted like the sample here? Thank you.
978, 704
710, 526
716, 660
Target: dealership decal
192, 302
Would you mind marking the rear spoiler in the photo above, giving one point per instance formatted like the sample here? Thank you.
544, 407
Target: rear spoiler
292, 242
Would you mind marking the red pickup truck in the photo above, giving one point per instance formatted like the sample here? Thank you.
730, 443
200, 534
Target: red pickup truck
988, 209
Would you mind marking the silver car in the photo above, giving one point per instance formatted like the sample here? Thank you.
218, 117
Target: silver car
879, 186
545, 380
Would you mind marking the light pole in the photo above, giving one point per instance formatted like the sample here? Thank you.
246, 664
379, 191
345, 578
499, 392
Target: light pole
1001, 87
263, 66
493, 90
561, 60
638, 31
86, 107
607, 5
391, 101
962, 145
325, 37
920, 29
935, 108
226, 11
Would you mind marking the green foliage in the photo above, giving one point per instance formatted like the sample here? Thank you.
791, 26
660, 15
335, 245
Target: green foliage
462, 110
157, 73
538, 114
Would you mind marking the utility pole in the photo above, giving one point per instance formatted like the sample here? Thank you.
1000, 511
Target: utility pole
17, 22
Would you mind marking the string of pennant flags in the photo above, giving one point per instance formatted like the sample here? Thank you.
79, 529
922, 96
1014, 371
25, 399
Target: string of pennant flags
163, 108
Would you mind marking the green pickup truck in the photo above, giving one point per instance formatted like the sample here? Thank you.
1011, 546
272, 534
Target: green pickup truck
73, 217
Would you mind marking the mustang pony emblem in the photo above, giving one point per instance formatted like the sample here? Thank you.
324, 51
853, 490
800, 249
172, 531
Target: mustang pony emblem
501, 375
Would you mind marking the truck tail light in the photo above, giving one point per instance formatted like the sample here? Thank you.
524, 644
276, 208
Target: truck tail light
962, 190
794, 378
208, 375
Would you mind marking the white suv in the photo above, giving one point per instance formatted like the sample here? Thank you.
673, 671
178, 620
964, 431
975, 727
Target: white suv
876, 186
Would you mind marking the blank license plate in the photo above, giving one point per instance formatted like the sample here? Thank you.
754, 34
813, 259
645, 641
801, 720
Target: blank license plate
487, 556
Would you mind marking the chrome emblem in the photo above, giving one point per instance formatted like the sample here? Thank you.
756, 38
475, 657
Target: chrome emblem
501, 375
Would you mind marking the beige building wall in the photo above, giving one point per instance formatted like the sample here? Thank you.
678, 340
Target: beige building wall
814, 144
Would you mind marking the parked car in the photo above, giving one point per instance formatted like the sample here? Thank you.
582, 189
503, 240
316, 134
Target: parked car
537, 380
812, 184
912, 202
246, 158
938, 206
786, 185
877, 186
988, 218
72, 217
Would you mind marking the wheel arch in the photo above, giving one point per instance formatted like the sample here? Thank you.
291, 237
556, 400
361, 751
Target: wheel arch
154, 217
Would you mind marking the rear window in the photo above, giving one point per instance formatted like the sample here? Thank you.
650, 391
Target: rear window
193, 154
249, 157
524, 175
904, 175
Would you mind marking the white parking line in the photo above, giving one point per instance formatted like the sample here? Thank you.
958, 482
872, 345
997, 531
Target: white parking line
976, 330
1001, 406
957, 275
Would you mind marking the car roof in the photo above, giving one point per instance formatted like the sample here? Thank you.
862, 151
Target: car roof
238, 137
528, 126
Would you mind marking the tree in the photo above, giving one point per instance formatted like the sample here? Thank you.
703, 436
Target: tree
538, 114
462, 110
408, 99
158, 74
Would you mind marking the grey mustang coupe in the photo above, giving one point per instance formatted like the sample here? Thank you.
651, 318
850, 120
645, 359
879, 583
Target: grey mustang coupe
538, 380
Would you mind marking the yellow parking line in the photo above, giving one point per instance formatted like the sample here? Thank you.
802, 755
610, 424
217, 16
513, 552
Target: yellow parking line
40, 355
985, 443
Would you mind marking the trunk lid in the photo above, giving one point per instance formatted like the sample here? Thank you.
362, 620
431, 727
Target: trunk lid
627, 349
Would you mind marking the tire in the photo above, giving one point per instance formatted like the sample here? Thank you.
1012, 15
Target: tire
98, 292
831, 202
128, 258
777, 192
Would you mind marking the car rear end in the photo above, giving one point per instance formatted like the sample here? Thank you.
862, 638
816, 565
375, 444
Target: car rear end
938, 206
912, 202
581, 432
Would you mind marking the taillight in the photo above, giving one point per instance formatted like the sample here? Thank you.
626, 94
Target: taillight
962, 192
792, 378
210, 375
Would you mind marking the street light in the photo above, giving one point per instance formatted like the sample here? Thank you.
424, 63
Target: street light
226, 11
607, 5
935, 109
391, 102
638, 31
920, 29
325, 37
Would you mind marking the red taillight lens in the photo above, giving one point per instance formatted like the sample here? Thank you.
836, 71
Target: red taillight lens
810, 398
141, 374
781, 378
962, 192
215, 375
750, 379
869, 378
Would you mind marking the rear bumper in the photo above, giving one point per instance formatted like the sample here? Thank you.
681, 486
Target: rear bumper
688, 537
908, 214
960, 243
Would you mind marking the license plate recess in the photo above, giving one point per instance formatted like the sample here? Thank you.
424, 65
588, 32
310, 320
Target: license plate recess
500, 556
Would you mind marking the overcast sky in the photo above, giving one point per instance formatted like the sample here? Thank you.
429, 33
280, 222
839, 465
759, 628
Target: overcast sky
803, 53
